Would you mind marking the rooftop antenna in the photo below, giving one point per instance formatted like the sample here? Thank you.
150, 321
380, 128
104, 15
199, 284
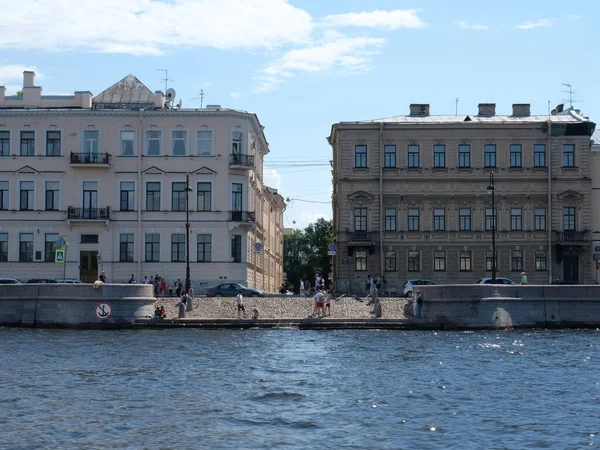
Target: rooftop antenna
201, 98
456, 108
166, 79
571, 93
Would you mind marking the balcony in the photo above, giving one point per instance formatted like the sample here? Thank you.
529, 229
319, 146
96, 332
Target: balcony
242, 216
76, 213
572, 237
361, 238
244, 161
90, 159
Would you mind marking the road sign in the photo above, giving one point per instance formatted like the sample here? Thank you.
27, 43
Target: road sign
103, 311
59, 256
99, 259
331, 249
258, 248
330, 253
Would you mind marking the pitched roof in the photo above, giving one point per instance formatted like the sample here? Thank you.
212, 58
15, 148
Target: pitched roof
129, 90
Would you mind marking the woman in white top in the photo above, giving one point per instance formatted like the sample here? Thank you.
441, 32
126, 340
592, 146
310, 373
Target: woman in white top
240, 305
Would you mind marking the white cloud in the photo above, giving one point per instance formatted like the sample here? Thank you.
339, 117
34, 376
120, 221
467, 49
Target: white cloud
391, 20
236, 95
14, 72
348, 55
12, 89
573, 17
527, 25
469, 26
272, 178
305, 218
147, 27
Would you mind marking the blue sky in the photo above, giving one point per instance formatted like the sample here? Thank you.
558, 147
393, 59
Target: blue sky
303, 65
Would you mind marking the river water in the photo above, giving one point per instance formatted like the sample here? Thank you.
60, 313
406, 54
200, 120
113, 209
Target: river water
284, 388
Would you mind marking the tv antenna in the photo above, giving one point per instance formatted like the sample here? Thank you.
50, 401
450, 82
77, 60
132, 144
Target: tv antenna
201, 98
571, 93
166, 79
456, 107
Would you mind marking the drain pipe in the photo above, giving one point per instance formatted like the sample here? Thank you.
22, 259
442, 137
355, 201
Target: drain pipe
549, 215
381, 217
140, 197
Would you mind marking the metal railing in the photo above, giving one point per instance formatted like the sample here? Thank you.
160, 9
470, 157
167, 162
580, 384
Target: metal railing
90, 158
362, 236
77, 213
241, 160
572, 236
242, 216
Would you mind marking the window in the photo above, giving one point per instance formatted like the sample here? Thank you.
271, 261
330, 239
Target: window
178, 195
490, 219
52, 143
390, 220
568, 155
236, 196
204, 196
516, 260
4, 143
179, 138
127, 196
464, 155
540, 219
360, 261
50, 246
89, 238
439, 219
389, 155
26, 247
153, 142
152, 248
390, 261
126, 247
569, 219
465, 260
516, 219
4, 195
515, 155
178, 248
27, 143
128, 143
152, 196
488, 260
90, 141
204, 248
439, 261
539, 155
236, 143
439, 156
236, 248
3, 247
360, 219
464, 219
413, 156
26, 203
414, 261
52, 195
541, 260
489, 155
413, 220
204, 143
360, 156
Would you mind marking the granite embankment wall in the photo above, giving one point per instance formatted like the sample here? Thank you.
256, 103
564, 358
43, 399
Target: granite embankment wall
490, 306
74, 305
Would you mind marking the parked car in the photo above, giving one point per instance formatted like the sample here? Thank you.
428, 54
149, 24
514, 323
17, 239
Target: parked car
488, 280
409, 285
10, 281
41, 281
231, 290
69, 280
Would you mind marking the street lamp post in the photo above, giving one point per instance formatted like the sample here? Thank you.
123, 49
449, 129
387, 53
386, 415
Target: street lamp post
188, 189
492, 188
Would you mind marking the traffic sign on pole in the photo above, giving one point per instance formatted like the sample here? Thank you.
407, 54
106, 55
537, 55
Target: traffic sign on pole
331, 249
59, 256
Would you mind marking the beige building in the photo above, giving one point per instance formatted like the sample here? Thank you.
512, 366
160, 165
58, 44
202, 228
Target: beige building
595, 174
108, 174
411, 198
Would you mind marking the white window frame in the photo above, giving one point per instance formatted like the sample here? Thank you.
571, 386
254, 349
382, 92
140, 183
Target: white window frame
60, 196
134, 195
10, 142
8, 203
127, 130
162, 194
185, 141
34, 195
83, 142
35, 141
241, 148
147, 141
62, 141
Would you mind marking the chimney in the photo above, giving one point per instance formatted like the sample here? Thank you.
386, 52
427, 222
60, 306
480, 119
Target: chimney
487, 109
521, 109
28, 78
83, 99
159, 99
2, 94
419, 109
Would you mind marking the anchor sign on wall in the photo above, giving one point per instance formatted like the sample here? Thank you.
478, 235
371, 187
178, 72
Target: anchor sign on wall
103, 311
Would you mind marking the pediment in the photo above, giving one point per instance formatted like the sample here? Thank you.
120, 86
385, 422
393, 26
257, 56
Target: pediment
154, 171
361, 195
570, 194
27, 169
204, 171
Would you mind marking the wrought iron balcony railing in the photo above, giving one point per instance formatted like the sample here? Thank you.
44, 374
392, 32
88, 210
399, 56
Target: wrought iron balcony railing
572, 236
76, 213
362, 236
90, 158
241, 160
242, 216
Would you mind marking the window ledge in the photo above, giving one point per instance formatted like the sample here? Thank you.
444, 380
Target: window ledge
414, 169
360, 169
439, 169
516, 169
391, 169
539, 169
464, 169
570, 169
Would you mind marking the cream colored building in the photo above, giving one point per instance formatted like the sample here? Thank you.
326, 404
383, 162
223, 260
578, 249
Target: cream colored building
108, 173
595, 174
410, 197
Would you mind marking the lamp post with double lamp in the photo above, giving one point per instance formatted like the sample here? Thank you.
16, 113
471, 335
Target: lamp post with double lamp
188, 189
492, 188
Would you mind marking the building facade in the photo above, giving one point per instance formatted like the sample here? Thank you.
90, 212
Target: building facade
108, 174
411, 197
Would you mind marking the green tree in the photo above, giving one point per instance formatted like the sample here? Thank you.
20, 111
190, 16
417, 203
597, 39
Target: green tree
19, 93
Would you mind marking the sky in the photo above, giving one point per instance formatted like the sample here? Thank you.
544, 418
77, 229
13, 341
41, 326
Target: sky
303, 65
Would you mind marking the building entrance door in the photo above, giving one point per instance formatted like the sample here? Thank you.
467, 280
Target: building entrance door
571, 265
88, 266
